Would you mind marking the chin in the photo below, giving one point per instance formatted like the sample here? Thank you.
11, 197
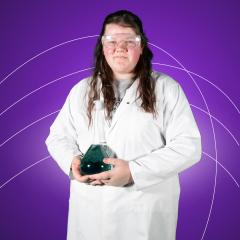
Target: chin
121, 70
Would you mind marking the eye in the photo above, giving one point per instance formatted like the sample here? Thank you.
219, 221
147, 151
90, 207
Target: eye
112, 42
131, 43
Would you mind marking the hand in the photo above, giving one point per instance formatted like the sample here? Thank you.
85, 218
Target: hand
76, 171
119, 176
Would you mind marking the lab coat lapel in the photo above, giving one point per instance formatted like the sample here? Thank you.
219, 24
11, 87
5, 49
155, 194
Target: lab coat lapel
129, 98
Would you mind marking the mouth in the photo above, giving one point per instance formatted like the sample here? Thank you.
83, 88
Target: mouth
120, 58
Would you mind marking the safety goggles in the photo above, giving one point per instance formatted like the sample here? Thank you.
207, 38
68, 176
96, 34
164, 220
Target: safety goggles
129, 41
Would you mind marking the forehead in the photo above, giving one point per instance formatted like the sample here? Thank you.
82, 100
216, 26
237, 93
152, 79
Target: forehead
113, 28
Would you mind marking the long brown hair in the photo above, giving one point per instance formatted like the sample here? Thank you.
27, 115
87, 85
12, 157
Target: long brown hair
102, 71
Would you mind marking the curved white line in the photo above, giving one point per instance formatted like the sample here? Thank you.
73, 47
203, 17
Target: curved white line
27, 168
38, 120
24, 170
214, 137
33, 123
218, 122
205, 79
29, 125
198, 90
41, 53
91, 36
223, 168
41, 87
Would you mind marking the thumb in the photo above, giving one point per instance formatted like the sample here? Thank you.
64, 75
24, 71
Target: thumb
112, 161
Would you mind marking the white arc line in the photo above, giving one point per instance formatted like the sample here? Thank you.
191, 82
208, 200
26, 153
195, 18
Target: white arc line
41, 87
223, 168
48, 115
41, 53
91, 36
82, 70
205, 79
210, 121
24, 170
29, 125
45, 158
218, 122
213, 131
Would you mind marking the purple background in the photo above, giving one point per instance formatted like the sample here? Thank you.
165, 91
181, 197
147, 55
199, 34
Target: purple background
202, 36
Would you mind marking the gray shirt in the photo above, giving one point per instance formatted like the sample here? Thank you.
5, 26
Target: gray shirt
120, 87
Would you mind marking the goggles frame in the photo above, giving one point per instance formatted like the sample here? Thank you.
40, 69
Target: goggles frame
112, 41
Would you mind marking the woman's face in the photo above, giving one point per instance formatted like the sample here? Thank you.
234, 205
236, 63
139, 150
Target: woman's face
121, 49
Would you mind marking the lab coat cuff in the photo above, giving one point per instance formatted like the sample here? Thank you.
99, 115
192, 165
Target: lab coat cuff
67, 162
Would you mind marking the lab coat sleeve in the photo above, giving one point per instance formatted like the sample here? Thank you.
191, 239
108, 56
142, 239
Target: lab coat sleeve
61, 142
182, 148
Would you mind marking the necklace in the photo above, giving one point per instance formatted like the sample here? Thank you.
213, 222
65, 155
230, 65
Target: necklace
117, 103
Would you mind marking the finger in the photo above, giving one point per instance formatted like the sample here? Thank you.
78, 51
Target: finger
77, 175
100, 176
76, 172
82, 178
96, 182
113, 161
105, 181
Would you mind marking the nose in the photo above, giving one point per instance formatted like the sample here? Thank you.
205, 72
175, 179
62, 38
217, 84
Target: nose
121, 46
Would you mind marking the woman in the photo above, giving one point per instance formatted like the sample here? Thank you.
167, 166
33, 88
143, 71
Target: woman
146, 120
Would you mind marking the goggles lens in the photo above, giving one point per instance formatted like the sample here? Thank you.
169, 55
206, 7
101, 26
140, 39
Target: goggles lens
129, 41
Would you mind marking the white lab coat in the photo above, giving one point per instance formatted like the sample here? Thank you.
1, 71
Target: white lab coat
157, 150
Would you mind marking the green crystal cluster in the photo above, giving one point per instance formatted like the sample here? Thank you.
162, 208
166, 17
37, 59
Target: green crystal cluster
92, 161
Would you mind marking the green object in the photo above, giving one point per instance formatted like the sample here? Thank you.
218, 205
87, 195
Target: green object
92, 161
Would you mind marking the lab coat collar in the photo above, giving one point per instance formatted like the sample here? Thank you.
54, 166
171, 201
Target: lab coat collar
131, 92
129, 98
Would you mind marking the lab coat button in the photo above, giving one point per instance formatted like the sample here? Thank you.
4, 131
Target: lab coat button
127, 102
